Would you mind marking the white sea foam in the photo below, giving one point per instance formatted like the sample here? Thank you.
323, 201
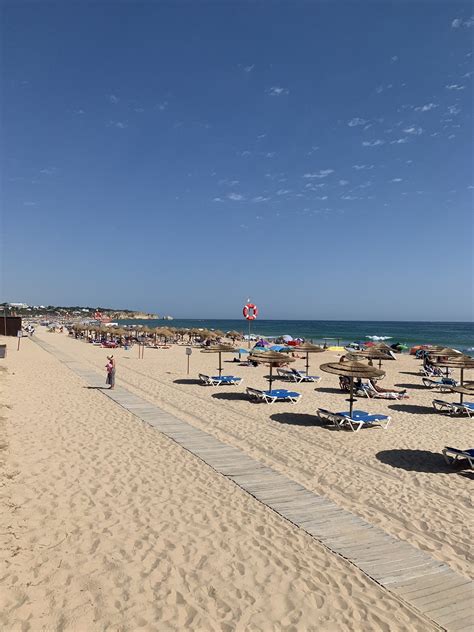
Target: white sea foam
380, 337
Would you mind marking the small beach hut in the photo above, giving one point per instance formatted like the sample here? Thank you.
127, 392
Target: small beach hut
352, 369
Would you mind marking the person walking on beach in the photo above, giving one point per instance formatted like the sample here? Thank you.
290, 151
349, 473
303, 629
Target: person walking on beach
110, 368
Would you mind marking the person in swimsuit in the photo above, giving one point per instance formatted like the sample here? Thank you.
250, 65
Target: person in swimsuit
110, 368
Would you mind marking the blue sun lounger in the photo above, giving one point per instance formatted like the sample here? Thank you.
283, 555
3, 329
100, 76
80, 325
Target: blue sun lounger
451, 455
359, 419
454, 408
293, 375
275, 395
218, 380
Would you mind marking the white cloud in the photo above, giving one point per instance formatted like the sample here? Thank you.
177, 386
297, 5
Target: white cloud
277, 91
283, 191
29, 203
451, 136
396, 180
381, 88
139, 110
261, 136
244, 154
323, 173
359, 167
454, 86
162, 106
343, 182
218, 199
48, 171
356, 121
113, 98
426, 108
348, 197
399, 141
458, 22
373, 143
80, 112
260, 198
453, 109
270, 154
413, 130
394, 58
312, 150
236, 197
322, 197
249, 68
118, 124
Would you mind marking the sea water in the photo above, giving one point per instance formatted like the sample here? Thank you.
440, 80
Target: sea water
457, 335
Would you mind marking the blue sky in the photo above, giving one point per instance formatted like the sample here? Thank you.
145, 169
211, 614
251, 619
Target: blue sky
179, 158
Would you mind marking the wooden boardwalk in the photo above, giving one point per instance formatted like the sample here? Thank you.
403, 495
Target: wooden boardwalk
423, 583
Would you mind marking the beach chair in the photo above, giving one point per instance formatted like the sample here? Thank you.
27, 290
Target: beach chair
218, 380
444, 385
451, 455
454, 408
293, 375
275, 395
369, 391
359, 419
329, 417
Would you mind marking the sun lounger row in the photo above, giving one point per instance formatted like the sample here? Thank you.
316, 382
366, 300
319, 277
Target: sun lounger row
359, 419
454, 408
218, 380
275, 395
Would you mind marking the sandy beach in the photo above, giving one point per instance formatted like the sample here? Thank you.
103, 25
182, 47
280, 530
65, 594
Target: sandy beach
108, 525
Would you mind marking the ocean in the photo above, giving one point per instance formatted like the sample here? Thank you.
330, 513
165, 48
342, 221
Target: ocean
457, 335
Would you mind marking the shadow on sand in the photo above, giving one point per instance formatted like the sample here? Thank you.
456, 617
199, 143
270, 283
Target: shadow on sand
414, 409
232, 396
420, 387
328, 389
421, 461
97, 388
300, 419
189, 380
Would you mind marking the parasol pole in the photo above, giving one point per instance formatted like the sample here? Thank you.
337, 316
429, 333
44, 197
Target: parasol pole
220, 364
351, 397
271, 375
462, 382
307, 363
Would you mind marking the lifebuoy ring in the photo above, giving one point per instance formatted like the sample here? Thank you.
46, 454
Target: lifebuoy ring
250, 311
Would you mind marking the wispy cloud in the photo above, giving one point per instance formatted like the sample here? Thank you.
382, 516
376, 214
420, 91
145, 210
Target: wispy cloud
270, 154
260, 198
277, 91
348, 197
29, 203
139, 110
453, 110
313, 149
322, 173
413, 130
399, 141
79, 112
460, 22
382, 88
244, 154
118, 124
360, 167
426, 108
343, 182
49, 171
162, 106
394, 59
249, 68
217, 199
113, 98
373, 143
235, 197
283, 191
454, 86
227, 182
396, 180
356, 121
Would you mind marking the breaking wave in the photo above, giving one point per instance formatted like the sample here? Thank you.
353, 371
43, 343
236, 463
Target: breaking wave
379, 337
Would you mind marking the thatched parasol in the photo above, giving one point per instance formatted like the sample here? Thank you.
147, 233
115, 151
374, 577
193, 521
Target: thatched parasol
352, 369
272, 358
373, 353
307, 347
381, 346
459, 361
220, 349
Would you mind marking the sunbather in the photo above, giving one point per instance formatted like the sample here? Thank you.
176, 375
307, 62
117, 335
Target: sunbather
373, 384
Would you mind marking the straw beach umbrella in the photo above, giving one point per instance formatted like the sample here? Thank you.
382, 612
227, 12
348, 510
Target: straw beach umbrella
220, 349
372, 353
352, 369
307, 348
461, 362
272, 358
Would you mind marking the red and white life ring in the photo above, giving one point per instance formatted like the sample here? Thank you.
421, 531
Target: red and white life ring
250, 311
